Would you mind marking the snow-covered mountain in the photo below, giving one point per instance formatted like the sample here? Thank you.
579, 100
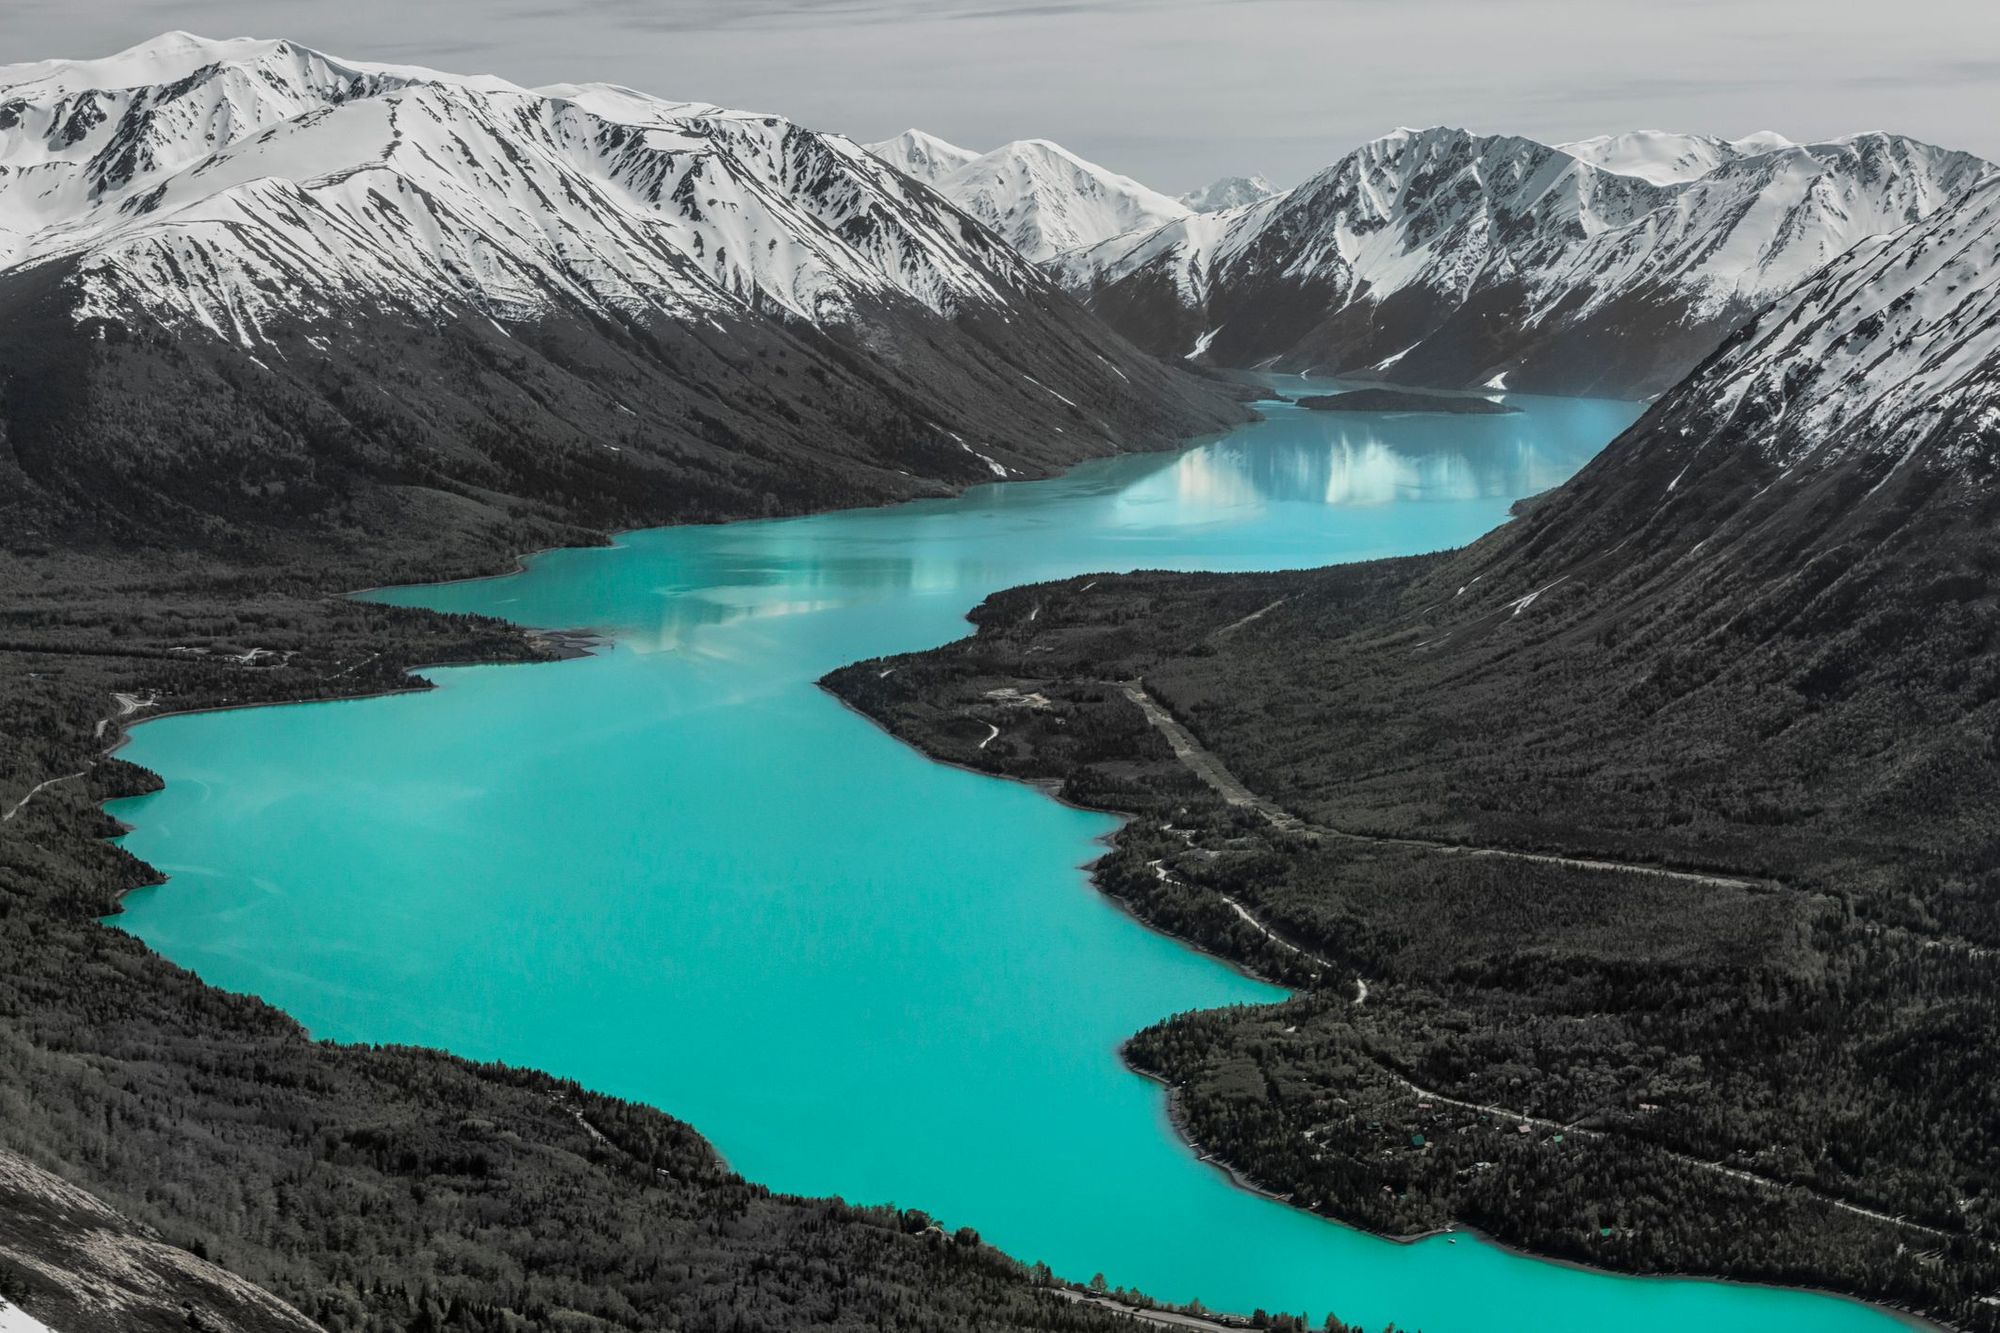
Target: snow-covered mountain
751, 286
1038, 196
1817, 498
13, 1319
1800, 535
924, 156
172, 168
1044, 200
1448, 258
1665, 158
1228, 192
1892, 350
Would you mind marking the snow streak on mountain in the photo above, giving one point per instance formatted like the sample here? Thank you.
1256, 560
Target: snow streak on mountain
1891, 350
1448, 258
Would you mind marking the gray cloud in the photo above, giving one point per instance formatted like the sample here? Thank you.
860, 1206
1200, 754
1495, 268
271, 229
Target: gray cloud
1176, 92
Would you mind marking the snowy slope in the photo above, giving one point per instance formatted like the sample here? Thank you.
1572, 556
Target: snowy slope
924, 156
228, 181
1666, 158
13, 1319
1445, 257
1228, 192
1044, 199
1893, 348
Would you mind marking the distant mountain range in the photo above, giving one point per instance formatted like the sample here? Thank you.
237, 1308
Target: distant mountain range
1443, 258
585, 304
357, 286
1450, 259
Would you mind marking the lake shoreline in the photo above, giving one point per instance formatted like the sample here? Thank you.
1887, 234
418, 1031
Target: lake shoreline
1052, 789
1916, 1319
919, 737
1920, 1320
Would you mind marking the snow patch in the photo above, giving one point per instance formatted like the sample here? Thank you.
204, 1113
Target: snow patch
13, 1319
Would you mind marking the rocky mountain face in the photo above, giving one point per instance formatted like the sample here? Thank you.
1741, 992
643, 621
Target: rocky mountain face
1867, 396
1450, 259
87, 1267
1774, 594
251, 279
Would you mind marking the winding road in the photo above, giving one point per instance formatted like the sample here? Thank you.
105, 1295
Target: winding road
1206, 766
1211, 770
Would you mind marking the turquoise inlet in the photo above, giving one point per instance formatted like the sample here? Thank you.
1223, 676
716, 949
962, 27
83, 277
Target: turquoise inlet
678, 872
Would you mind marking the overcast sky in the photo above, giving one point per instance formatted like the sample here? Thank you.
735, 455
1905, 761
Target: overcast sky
1173, 92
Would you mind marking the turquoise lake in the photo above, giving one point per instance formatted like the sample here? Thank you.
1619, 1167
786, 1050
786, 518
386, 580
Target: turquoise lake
678, 872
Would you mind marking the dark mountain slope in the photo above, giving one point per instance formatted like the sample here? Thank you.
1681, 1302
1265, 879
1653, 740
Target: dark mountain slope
179, 437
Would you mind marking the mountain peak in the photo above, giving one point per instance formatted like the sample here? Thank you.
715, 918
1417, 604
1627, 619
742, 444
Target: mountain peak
1661, 157
1763, 141
1044, 199
924, 156
1890, 348
1511, 262
163, 59
1228, 192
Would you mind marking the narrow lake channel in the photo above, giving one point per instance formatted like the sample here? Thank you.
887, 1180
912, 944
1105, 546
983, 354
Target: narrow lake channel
679, 873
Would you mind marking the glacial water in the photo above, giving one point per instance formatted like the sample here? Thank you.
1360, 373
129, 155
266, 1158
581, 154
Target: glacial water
678, 872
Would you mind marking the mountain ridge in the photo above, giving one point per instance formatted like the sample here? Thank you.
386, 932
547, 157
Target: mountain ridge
1037, 195
1045, 200
611, 308
1444, 258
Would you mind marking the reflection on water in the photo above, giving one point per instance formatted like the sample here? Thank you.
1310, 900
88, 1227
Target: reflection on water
1297, 489
679, 873
1355, 459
